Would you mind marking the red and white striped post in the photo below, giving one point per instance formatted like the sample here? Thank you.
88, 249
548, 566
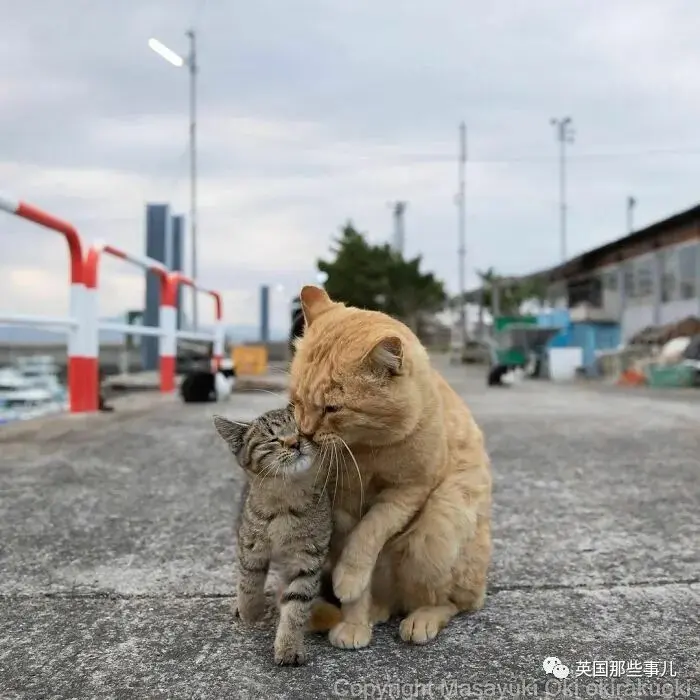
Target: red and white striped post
77, 360
219, 330
167, 347
92, 262
168, 314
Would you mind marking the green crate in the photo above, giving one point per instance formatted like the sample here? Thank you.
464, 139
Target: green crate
513, 356
672, 376
500, 323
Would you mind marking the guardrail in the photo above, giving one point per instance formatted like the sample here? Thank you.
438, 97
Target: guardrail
92, 264
70, 324
82, 324
168, 317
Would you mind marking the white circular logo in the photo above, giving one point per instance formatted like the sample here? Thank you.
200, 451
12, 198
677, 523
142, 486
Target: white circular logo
553, 665
549, 663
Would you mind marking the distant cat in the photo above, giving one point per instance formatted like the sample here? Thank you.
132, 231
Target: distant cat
505, 375
285, 519
201, 386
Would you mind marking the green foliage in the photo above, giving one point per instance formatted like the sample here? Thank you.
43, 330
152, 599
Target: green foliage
377, 277
512, 293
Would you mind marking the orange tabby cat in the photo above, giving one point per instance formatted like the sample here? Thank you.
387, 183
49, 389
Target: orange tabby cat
412, 486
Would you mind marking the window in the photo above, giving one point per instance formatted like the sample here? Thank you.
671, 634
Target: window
628, 280
645, 278
556, 295
669, 276
638, 276
610, 280
688, 271
585, 290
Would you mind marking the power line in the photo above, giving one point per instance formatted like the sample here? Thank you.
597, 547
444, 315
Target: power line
577, 157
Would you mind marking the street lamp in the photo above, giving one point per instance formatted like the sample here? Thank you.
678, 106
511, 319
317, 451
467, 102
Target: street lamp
565, 134
191, 62
166, 53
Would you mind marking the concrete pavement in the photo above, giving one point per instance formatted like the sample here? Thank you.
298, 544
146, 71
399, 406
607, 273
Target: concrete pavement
117, 551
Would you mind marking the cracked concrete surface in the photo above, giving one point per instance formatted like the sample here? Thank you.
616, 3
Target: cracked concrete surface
117, 550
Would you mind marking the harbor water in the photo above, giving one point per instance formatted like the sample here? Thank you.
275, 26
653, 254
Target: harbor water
30, 388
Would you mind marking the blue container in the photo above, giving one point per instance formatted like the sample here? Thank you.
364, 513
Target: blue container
592, 336
558, 318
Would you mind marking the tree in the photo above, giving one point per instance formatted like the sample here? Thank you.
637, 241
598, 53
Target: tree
512, 292
379, 278
412, 292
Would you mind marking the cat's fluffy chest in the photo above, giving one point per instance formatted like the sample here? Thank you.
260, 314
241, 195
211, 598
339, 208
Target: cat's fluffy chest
289, 518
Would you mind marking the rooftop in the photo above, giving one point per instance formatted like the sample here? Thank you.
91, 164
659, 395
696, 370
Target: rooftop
651, 236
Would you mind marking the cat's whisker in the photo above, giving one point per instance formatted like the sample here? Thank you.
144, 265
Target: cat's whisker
346, 472
336, 457
325, 483
343, 468
359, 475
278, 370
266, 472
321, 459
262, 475
267, 391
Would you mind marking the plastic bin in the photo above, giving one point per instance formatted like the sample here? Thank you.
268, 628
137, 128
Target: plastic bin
671, 376
564, 363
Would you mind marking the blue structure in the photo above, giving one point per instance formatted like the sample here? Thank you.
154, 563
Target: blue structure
265, 314
177, 262
164, 235
590, 336
559, 318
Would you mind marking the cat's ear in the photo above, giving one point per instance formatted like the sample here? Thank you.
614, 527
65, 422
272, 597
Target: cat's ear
314, 301
233, 433
386, 357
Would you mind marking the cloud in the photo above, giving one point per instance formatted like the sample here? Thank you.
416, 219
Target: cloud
313, 113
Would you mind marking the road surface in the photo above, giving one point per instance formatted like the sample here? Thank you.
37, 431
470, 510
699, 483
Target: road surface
117, 551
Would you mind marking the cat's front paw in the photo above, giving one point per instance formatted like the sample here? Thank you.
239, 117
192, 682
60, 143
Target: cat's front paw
290, 651
250, 611
350, 635
349, 582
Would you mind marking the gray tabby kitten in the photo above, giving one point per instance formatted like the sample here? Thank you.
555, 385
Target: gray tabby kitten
285, 519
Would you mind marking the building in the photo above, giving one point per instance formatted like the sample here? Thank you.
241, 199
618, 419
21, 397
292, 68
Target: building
650, 277
164, 242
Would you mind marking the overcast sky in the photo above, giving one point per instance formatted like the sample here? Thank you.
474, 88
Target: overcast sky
314, 111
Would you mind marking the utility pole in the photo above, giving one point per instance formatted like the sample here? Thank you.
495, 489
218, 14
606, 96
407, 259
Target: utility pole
631, 204
461, 251
399, 242
565, 134
192, 65
191, 62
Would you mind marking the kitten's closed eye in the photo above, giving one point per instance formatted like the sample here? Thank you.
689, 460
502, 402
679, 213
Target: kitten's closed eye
332, 409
